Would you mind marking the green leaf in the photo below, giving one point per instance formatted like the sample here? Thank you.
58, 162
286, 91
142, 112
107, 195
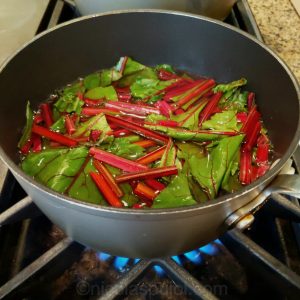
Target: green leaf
229, 86
108, 76
186, 135
190, 119
27, 130
169, 156
187, 150
108, 93
128, 80
124, 147
153, 118
55, 167
73, 88
83, 187
97, 122
231, 171
144, 87
59, 125
129, 198
131, 66
224, 121
176, 194
91, 81
210, 170
237, 101
69, 102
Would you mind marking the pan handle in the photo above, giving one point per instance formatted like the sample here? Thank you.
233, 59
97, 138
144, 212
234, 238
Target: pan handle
283, 184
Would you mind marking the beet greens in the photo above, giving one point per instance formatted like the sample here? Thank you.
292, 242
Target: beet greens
141, 137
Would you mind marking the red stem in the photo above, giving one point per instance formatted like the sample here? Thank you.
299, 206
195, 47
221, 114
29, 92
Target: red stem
251, 138
93, 103
47, 114
138, 129
143, 191
181, 89
36, 143
151, 156
54, 136
250, 100
104, 188
197, 93
121, 133
148, 174
210, 106
116, 161
90, 111
145, 143
245, 167
108, 177
130, 108
168, 123
70, 126
95, 135
154, 184
165, 75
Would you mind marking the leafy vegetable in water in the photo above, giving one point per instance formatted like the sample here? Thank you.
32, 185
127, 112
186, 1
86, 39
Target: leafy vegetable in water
55, 167
225, 121
144, 87
125, 147
176, 194
97, 122
91, 81
225, 87
140, 136
132, 66
187, 150
147, 73
210, 170
190, 119
69, 103
186, 135
27, 130
82, 186
107, 77
108, 93
234, 100
59, 125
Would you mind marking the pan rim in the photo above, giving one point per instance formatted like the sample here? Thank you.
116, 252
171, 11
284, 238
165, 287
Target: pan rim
69, 201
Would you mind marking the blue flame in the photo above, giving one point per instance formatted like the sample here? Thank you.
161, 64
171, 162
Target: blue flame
159, 270
177, 259
194, 256
120, 262
217, 241
103, 256
210, 249
136, 260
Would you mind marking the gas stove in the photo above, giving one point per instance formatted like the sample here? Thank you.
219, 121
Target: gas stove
38, 261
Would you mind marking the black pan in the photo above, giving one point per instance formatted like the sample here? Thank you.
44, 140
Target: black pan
188, 42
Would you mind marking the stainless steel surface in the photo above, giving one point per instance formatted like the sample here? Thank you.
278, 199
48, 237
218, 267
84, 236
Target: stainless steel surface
283, 184
245, 222
128, 232
218, 9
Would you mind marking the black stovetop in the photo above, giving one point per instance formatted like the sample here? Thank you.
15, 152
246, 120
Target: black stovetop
38, 261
